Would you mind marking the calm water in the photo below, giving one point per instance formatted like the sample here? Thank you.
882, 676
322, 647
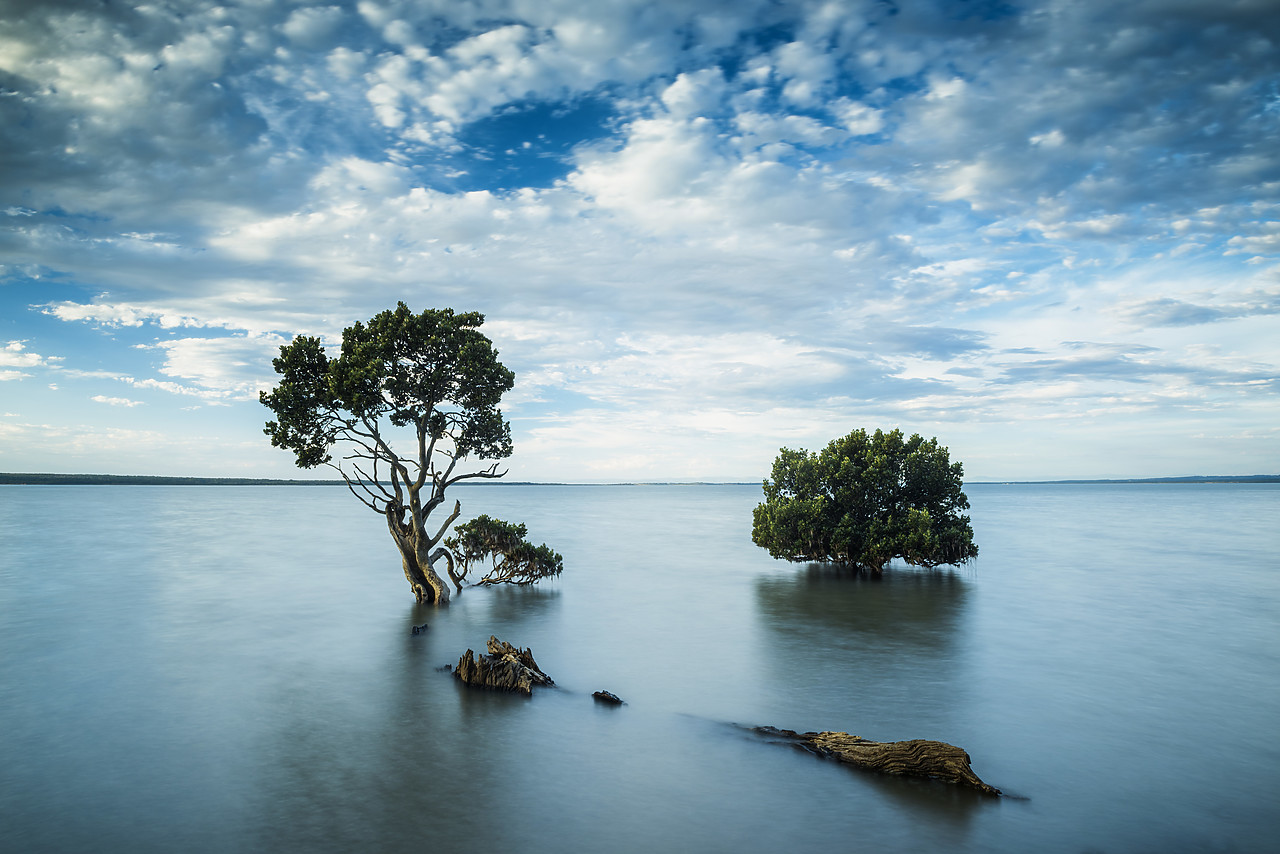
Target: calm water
232, 669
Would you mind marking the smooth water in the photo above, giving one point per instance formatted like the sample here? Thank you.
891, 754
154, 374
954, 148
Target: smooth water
233, 669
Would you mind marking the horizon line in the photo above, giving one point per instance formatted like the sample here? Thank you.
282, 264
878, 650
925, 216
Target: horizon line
87, 479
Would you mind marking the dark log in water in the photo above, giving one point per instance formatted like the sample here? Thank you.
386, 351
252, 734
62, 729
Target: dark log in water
915, 758
505, 668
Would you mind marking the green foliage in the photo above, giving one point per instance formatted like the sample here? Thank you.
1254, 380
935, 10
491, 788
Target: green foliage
515, 559
433, 370
864, 500
304, 403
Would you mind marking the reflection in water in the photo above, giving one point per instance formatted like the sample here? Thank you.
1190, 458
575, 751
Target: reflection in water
899, 610
890, 644
515, 606
403, 756
878, 656
399, 759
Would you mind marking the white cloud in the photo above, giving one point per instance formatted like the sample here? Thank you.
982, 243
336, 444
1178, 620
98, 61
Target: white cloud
1099, 226
205, 51
1052, 139
807, 70
663, 159
217, 368
15, 358
120, 315
859, 119
313, 27
955, 267
353, 174
115, 401
1264, 241
211, 396
669, 370
803, 130
696, 93
109, 315
14, 355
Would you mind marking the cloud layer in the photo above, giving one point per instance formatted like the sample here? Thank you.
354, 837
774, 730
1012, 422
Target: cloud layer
1047, 234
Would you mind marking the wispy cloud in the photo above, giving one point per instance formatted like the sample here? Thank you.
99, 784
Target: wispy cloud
115, 401
16, 361
1164, 311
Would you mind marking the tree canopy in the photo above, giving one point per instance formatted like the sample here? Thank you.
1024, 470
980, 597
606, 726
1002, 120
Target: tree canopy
436, 376
864, 500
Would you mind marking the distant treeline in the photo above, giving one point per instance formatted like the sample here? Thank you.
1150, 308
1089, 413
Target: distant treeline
149, 480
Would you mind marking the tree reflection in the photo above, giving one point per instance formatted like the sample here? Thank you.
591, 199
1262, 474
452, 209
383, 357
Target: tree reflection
516, 606
914, 609
879, 656
385, 760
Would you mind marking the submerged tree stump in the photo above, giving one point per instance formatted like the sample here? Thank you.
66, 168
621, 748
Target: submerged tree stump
505, 668
915, 758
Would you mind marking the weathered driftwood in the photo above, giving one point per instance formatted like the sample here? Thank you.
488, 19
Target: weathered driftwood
505, 668
915, 758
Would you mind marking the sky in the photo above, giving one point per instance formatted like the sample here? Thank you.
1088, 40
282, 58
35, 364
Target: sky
1047, 233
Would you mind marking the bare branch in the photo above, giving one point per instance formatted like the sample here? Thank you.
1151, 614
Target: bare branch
351, 487
457, 511
453, 461
457, 579
358, 439
392, 460
367, 483
395, 483
490, 473
424, 455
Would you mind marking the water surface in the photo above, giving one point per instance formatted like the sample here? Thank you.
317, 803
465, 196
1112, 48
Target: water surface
232, 668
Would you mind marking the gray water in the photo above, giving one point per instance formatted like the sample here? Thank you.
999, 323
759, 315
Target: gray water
233, 669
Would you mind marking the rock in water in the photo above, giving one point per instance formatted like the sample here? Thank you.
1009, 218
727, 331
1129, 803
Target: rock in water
608, 697
915, 758
505, 668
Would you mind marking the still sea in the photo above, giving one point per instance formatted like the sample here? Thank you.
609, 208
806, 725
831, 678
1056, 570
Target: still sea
223, 669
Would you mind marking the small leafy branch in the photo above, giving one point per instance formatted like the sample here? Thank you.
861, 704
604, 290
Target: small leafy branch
512, 558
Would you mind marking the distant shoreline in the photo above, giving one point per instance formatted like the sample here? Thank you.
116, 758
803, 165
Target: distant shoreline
1212, 478
47, 479
44, 479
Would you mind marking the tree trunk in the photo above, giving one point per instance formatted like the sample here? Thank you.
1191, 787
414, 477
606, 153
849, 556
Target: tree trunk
428, 587
415, 556
505, 668
915, 758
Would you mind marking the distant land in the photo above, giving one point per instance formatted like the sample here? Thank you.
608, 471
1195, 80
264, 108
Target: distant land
45, 479
149, 480
1210, 478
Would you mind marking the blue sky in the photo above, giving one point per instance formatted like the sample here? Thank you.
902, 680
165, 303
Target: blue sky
1047, 233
